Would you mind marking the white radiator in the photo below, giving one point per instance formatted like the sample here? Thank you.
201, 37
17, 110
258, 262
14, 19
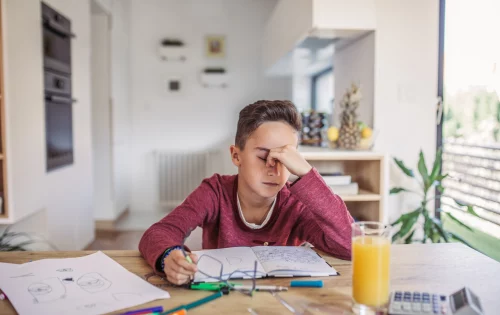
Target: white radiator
180, 173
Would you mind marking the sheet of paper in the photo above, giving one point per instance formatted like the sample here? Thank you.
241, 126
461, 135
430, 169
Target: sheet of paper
232, 259
300, 260
92, 284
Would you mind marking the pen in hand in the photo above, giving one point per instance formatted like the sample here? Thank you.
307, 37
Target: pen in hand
183, 250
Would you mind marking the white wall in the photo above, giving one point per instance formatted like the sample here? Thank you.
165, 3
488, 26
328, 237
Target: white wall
111, 108
121, 112
289, 23
24, 107
66, 193
344, 15
70, 190
101, 118
355, 63
194, 118
406, 59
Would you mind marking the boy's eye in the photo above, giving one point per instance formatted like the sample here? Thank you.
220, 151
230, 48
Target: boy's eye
263, 159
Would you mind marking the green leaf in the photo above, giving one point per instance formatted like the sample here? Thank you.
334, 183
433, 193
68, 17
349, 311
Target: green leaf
436, 168
408, 240
460, 239
457, 221
409, 222
422, 169
470, 209
396, 190
427, 229
405, 216
395, 236
441, 231
441, 177
440, 188
403, 167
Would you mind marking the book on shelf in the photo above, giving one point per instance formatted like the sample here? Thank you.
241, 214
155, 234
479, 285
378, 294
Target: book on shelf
345, 190
333, 179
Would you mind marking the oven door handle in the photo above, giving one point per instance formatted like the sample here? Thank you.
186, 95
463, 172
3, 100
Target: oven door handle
57, 28
61, 99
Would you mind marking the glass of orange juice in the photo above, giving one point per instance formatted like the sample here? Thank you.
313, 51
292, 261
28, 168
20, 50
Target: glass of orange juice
371, 251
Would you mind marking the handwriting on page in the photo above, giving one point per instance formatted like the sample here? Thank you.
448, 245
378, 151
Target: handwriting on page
287, 254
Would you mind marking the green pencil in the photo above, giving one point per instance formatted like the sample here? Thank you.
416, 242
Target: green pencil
195, 303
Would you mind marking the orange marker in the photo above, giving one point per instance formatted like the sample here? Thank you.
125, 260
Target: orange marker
179, 312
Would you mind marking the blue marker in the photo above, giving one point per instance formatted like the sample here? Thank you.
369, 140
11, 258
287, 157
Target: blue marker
307, 284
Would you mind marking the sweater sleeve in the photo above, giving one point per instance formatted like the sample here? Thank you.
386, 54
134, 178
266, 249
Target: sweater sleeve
325, 222
196, 210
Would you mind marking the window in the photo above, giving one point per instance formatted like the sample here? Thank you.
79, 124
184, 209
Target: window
322, 93
469, 134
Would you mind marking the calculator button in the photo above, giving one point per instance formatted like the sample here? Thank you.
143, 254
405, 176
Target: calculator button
426, 308
443, 298
396, 306
407, 306
415, 307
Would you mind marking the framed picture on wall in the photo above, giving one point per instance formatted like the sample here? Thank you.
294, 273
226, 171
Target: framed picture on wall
215, 46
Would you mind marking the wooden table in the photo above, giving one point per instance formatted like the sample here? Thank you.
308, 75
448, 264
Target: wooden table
440, 268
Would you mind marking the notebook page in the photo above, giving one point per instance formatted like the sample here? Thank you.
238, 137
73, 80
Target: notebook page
233, 258
292, 261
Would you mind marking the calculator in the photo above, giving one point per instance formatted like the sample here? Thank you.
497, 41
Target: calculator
462, 302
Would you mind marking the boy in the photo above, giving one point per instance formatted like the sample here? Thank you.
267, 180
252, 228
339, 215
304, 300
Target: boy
258, 206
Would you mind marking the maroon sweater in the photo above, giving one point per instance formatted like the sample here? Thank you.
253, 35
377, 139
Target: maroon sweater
305, 211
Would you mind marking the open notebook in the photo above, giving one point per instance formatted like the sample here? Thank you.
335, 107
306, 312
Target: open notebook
272, 261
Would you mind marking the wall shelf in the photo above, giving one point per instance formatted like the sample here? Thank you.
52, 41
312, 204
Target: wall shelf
367, 168
364, 195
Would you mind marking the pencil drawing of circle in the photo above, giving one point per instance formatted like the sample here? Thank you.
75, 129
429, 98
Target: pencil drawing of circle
93, 282
38, 289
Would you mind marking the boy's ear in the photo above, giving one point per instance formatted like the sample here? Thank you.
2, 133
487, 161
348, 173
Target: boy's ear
235, 155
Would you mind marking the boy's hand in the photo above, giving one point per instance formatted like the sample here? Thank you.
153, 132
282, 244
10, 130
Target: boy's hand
178, 269
290, 158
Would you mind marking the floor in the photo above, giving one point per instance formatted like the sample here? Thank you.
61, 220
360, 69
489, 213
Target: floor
129, 230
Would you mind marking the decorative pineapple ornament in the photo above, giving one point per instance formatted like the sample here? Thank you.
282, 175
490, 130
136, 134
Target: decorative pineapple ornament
349, 133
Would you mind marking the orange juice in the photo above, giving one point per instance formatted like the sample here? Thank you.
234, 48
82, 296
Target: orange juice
370, 266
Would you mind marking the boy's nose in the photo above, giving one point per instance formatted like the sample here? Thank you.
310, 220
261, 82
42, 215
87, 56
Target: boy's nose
274, 170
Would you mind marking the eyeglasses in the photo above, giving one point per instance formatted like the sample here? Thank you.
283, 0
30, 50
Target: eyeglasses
219, 276
223, 278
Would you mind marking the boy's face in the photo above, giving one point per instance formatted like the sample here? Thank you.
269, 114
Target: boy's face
251, 162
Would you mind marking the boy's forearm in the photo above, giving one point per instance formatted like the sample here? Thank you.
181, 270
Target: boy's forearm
327, 222
155, 241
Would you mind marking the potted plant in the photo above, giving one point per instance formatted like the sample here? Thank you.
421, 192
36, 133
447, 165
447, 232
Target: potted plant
433, 229
7, 241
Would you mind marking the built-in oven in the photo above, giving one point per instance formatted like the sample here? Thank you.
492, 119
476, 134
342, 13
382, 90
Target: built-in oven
57, 88
56, 40
58, 120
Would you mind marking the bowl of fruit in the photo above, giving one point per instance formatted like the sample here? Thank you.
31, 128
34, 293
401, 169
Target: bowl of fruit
358, 137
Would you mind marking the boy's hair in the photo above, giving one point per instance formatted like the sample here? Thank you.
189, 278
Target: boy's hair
254, 115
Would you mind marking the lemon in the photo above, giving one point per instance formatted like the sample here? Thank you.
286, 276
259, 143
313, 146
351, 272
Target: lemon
332, 134
366, 133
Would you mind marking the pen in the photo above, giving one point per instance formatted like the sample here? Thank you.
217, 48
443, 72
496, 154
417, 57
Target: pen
307, 284
182, 248
157, 309
195, 303
208, 286
260, 287
219, 285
